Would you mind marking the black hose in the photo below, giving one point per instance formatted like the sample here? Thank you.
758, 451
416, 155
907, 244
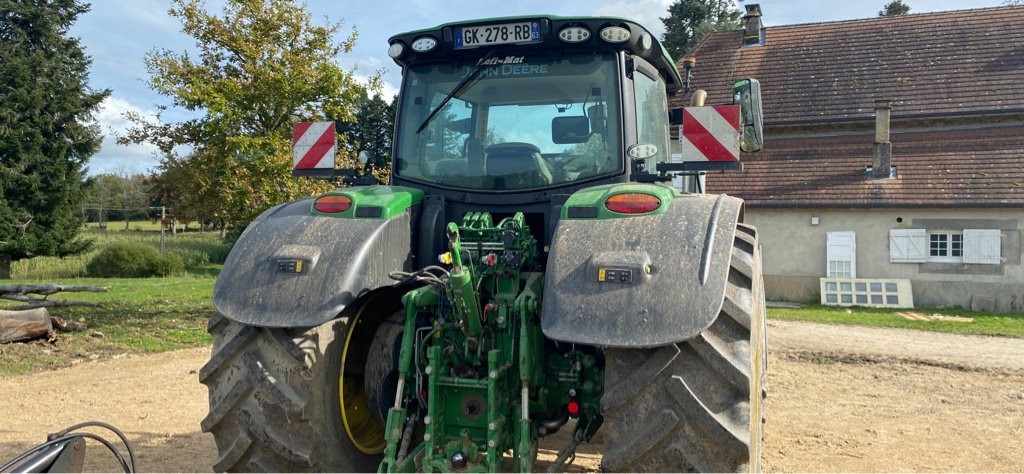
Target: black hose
67, 434
112, 429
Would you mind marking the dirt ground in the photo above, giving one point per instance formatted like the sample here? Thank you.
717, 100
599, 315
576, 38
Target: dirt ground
841, 399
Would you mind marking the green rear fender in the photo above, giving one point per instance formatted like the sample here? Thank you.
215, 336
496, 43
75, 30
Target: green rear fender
643, 281
295, 267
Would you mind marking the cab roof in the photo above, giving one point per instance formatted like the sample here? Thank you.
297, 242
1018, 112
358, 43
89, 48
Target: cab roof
549, 26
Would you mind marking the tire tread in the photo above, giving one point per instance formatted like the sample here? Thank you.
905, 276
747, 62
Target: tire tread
691, 411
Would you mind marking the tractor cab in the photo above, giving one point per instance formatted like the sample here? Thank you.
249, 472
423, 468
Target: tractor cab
517, 106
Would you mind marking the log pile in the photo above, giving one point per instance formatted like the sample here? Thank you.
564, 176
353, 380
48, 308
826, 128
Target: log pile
31, 320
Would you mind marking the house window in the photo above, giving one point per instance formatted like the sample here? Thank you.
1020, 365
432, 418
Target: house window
945, 246
972, 246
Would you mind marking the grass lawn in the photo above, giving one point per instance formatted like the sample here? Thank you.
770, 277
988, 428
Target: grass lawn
987, 324
137, 316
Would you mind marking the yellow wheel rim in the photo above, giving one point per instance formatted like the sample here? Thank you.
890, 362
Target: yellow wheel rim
365, 432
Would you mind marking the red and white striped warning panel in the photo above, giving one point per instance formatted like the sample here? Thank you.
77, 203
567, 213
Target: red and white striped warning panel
314, 145
711, 133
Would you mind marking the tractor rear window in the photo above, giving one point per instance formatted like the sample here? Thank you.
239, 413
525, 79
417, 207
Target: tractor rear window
521, 122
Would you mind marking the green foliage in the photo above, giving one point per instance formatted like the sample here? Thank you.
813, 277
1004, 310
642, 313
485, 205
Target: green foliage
689, 21
259, 67
46, 137
988, 324
192, 257
133, 260
894, 8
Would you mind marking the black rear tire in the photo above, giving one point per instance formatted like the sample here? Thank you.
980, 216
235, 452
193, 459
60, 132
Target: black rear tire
695, 406
274, 395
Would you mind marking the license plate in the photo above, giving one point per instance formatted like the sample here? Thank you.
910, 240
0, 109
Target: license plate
489, 35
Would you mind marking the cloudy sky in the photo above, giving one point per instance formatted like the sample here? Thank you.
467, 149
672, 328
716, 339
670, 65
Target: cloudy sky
118, 33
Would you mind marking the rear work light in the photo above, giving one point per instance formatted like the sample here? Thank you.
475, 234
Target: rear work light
632, 203
574, 34
332, 204
614, 34
396, 50
424, 44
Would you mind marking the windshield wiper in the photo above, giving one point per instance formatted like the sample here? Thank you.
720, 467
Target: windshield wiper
458, 87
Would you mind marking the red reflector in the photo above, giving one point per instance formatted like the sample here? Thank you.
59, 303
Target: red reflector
632, 203
332, 204
574, 408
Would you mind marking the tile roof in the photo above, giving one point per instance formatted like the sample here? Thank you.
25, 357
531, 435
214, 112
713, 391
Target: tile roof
963, 168
965, 61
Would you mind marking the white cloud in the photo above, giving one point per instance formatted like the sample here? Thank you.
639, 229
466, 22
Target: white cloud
387, 90
645, 12
114, 157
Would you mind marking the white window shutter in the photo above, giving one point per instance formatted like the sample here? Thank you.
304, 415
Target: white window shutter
908, 245
982, 246
841, 250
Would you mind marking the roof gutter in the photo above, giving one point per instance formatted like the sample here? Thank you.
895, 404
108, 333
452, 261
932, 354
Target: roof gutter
901, 117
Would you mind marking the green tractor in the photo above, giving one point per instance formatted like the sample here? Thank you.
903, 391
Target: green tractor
526, 271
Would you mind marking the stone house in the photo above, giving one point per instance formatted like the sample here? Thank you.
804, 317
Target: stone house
894, 149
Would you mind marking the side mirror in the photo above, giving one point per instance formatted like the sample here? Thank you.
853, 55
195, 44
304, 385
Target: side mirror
570, 129
364, 157
747, 94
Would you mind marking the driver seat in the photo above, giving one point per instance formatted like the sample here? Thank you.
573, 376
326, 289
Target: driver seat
516, 165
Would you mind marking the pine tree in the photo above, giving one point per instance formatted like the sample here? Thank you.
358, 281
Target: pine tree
373, 128
689, 21
894, 8
46, 138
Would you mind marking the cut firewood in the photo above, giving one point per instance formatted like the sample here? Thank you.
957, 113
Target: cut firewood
24, 325
21, 294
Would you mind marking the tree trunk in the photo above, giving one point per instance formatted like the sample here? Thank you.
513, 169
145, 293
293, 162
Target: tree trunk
223, 229
5, 267
24, 325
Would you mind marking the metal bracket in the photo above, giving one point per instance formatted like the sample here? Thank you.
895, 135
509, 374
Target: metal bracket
347, 175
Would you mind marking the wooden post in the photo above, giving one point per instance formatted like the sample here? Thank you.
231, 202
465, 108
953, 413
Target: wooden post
24, 325
163, 225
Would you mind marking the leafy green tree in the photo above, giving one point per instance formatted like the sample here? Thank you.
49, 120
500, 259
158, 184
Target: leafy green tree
894, 8
689, 21
46, 130
260, 66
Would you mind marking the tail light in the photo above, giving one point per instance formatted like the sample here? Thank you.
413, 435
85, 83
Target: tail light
332, 203
632, 203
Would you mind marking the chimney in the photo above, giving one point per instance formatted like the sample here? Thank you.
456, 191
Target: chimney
752, 25
881, 156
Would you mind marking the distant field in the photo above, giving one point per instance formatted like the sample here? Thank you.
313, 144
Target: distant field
196, 249
142, 226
